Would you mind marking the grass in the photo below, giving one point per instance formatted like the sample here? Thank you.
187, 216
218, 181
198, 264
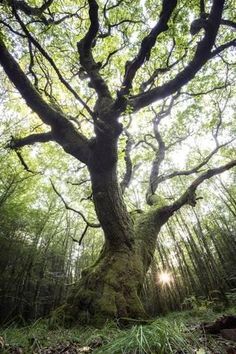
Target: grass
161, 336
172, 334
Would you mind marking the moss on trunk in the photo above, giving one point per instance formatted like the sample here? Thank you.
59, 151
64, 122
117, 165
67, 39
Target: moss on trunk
108, 290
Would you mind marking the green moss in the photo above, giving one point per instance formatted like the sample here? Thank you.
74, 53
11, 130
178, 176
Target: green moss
109, 289
106, 303
121, 304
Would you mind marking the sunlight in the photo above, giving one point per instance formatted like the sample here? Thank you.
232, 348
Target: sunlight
165, 278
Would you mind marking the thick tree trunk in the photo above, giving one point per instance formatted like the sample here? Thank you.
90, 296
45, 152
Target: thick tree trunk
111, 287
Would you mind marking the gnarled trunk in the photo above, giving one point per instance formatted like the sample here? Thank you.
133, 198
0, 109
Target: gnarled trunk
110, 288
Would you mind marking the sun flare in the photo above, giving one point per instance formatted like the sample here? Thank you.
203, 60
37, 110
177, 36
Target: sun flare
165, 278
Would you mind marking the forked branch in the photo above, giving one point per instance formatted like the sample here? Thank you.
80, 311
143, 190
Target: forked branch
202, 54
146, 46
63, 130
86, 57
189, 196
51, 62
195, 169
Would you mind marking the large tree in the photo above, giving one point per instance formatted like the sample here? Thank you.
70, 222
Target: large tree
82, 67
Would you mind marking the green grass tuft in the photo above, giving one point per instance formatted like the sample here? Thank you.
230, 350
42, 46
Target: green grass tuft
161, 336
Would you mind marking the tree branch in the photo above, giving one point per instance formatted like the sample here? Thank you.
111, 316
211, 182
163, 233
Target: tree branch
128, 162
222, 47
63, 130
195, 169
89, 224
163, 70
115, 25
23, 163
189, 196
47, 113
110, 56
12, 29
146, 46
228, 23
160, 151
202, 7
86, 57
30, 140
27, 9
202, 55
159, 157
194, 94
51, 61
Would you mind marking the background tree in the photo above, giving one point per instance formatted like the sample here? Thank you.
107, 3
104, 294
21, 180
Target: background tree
101, 82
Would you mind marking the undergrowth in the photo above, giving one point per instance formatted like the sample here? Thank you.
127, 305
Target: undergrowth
175, 333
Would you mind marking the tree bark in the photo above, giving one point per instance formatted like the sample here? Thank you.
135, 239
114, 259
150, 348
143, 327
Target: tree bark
110, 288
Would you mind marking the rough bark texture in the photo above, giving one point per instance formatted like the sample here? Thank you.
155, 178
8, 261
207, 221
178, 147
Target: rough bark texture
111, 287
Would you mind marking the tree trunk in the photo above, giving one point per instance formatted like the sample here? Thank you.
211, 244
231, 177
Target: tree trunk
110, 288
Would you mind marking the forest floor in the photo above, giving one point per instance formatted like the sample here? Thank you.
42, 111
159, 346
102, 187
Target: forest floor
177, 333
